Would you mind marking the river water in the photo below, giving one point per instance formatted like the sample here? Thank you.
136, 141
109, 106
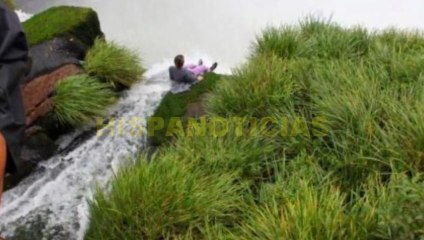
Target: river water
52, 202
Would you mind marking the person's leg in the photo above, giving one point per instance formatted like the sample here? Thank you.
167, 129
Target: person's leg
190, 66
3, 155
199, 70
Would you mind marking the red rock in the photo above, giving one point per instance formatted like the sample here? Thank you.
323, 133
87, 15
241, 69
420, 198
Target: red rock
41, 110
36, 94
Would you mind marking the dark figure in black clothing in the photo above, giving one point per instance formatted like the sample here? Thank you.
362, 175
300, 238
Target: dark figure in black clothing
13, 67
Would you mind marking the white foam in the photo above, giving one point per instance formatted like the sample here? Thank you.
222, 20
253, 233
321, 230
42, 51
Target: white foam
23, 16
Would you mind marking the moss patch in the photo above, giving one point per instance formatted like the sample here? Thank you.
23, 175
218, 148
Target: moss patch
174, 105
10, 3
63, 21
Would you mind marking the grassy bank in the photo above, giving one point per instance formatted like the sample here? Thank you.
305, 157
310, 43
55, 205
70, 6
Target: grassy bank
351, 169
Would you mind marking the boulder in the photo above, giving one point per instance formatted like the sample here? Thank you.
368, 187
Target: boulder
53, 54
36, 147
65, 22
58, 36
10, 3
59, 39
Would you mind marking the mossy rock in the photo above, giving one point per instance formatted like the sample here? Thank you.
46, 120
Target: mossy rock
10, 3
175, 105
63, 21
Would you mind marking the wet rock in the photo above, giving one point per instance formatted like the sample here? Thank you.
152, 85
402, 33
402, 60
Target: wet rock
37, 146
55, 53
80, 23
36, 227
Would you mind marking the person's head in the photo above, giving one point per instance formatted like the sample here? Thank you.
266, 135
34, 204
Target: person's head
179, 61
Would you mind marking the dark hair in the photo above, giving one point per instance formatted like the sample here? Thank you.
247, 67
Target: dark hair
179, 61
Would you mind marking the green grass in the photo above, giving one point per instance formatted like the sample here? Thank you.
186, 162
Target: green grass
65, 21
314, 38
171, 199
264, 80
300, 211
174, 105
114, 64
306, 203
363, 179
79, 99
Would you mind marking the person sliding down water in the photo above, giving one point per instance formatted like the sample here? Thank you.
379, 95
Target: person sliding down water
13, 66
191, 73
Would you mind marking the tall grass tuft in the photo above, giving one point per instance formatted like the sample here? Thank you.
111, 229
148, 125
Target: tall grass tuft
251, 158
265, 83
303, 203
114, 64
79, 99
164, 199
313, 38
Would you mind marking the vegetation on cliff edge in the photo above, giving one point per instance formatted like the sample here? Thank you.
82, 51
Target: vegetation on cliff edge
64, 21
114, 64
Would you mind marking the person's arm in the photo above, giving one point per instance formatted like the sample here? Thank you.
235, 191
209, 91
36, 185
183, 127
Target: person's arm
190, 77
171, 75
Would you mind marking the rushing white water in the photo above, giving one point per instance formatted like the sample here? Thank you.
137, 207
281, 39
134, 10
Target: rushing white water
23, 16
